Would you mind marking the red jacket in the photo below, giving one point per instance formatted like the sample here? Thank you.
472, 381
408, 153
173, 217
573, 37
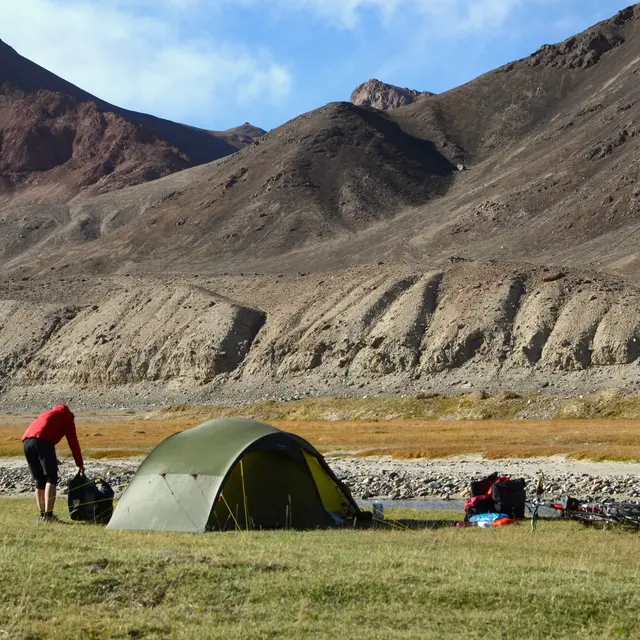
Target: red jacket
55, 424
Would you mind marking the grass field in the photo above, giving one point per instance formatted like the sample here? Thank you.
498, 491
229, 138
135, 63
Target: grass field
122, 436
78, 581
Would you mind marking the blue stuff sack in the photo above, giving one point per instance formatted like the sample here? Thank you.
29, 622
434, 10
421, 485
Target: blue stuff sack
487, 517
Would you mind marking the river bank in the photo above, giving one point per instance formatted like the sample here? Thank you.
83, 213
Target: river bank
386, 478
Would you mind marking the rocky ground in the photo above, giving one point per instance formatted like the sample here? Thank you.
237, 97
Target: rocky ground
385, 478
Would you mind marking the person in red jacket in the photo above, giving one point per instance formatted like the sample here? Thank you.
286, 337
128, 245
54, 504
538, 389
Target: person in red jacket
40, 441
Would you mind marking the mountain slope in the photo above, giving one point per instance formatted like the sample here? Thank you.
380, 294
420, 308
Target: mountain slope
551, 144
485, 115
58, 140
323, 175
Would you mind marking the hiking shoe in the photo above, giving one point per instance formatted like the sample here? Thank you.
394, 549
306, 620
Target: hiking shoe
52, 518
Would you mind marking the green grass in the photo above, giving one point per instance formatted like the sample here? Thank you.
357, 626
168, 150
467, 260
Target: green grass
80, 581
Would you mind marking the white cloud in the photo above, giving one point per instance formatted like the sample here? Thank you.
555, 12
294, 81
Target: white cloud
455, 15
140, 60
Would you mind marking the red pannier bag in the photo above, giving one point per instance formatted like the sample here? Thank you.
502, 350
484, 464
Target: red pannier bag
481, 500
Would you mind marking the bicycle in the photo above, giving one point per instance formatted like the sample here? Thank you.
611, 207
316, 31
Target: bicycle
623, 514
537, 502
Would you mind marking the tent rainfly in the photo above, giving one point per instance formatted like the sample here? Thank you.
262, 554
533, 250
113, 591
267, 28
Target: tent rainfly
233, 474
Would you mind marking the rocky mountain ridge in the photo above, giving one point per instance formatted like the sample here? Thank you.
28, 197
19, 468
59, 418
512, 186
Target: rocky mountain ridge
383, 96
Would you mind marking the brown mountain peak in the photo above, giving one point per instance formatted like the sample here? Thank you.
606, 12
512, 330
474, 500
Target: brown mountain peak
383, 96
59, 140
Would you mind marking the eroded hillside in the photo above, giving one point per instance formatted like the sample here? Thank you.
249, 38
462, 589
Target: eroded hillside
487, 326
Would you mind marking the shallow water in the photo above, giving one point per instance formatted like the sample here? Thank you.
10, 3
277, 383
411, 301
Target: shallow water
443, 505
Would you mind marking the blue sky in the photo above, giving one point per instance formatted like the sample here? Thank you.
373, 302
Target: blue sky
219, 63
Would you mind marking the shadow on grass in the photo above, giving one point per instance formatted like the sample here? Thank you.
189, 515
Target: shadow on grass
404, 524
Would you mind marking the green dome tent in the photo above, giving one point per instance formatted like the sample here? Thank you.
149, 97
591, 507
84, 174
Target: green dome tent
233, 474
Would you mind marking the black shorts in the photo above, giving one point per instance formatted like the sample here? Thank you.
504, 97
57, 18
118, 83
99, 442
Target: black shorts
42, 461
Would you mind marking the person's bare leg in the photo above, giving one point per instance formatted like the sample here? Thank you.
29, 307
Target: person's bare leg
49, 497
40, 499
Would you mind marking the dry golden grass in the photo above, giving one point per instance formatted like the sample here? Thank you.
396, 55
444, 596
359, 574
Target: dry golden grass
116, 437
597, 439
592, 439
605, 425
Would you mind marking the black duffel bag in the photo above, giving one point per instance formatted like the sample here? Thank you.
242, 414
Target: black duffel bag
483, 487
509, 497
90, 500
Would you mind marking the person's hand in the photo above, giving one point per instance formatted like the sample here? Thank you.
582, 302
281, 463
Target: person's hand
81, 470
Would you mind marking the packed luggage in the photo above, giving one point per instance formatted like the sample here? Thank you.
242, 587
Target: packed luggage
496, 494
